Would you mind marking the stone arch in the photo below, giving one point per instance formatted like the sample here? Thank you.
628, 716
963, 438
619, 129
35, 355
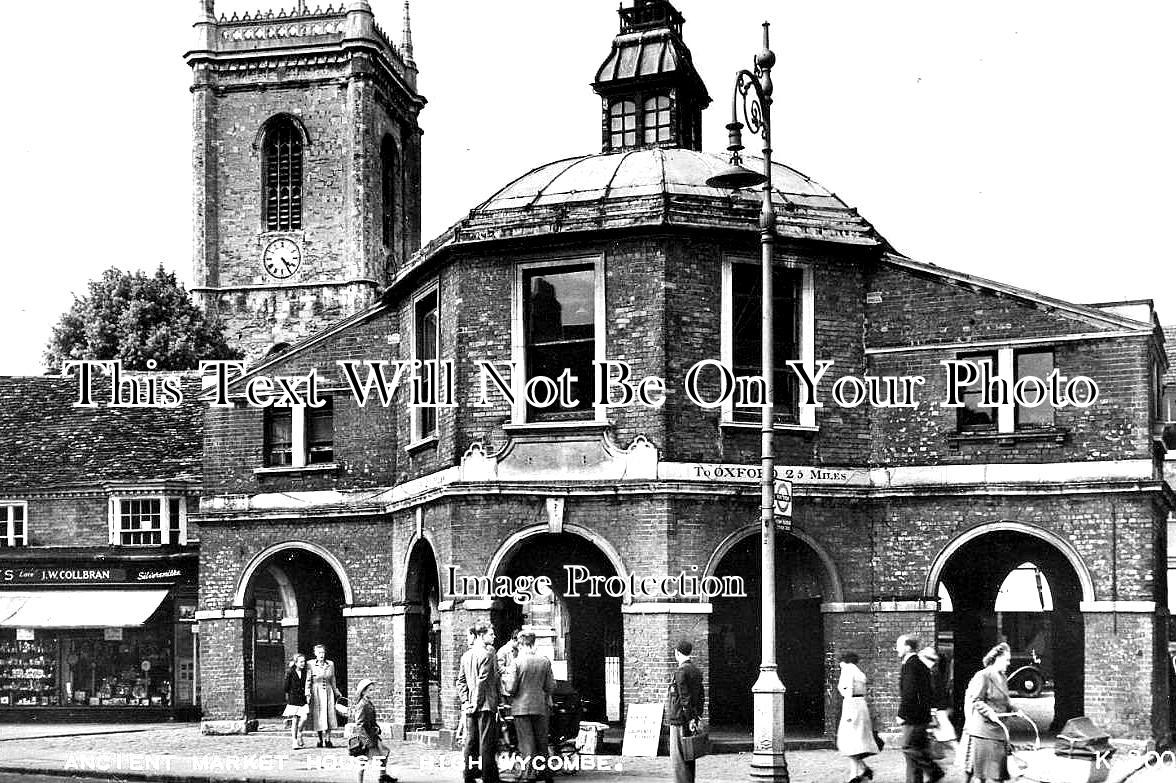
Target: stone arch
400, 587
837, 593
286, 590
935, 574
246, 576
508, 547
294, 119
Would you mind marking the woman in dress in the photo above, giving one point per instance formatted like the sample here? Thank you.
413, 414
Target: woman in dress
368, 732
986, 752
855, 732
321, 693
295, 688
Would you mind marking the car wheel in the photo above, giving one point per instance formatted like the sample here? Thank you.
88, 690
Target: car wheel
1029, 683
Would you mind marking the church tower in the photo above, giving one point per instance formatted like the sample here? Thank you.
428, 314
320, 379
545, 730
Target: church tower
651, 92
306, 167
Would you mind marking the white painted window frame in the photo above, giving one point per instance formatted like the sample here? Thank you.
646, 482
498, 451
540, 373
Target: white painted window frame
9, 532
518, 334
807, 418
1006, 370
114, 513
418, 438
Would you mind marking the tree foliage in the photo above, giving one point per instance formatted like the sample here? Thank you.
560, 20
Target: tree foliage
135, 318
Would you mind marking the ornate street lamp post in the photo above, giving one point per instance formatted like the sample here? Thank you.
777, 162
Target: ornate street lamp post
753, 89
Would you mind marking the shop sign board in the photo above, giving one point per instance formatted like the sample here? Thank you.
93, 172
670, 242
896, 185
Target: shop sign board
81, 574
112, 634
24, 634
642, 729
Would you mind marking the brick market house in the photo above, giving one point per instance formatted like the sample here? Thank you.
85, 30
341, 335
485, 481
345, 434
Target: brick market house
342, 523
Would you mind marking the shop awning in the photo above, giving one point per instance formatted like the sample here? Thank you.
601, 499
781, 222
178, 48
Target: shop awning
78, 608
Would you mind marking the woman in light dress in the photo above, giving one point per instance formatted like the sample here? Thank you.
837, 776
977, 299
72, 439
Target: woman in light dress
321, 693
855, 732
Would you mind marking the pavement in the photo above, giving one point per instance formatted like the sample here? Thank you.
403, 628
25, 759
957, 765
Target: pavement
178, 752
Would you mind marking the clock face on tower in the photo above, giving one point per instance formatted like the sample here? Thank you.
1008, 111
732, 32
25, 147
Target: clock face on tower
281, 258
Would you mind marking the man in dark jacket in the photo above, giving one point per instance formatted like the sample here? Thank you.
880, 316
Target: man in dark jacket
529, 682
685, 709
478, 689
915, 695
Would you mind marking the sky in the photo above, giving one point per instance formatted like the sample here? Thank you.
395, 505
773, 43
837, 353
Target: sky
1031, 143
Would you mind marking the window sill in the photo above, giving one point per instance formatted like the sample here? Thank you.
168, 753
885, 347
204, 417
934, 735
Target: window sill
539, 427
800, 429
323, 467
1044, 435
425, 442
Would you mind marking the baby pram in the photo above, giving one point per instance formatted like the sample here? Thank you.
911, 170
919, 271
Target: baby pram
563, 728
1033, 764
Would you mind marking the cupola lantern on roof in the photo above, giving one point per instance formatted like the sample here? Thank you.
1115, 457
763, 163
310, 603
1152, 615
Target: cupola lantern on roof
652, 95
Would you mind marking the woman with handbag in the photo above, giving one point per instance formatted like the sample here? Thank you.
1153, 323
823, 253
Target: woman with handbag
295, 688
855, 732
365, 742
985, 751
321, 693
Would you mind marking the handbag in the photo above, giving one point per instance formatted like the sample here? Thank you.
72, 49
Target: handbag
356, 746
696, 745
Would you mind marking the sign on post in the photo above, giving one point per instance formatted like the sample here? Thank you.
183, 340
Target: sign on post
643, 724
783, 496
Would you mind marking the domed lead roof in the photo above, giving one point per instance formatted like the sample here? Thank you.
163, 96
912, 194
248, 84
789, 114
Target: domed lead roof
654, 187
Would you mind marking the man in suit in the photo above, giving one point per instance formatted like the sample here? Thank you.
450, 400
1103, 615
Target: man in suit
685, 709
530, 682
478, 689
915, 696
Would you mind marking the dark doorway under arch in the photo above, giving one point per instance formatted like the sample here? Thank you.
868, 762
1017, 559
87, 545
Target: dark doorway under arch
422, 640
298, 602
801, 584
583, 631
973, 577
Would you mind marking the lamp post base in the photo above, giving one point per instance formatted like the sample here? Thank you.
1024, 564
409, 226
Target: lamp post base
767, 756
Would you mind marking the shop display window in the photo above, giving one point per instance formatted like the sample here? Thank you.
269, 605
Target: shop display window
101, 670
28, 672
113, 667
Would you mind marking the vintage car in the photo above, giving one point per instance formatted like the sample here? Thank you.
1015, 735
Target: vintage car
1026, 677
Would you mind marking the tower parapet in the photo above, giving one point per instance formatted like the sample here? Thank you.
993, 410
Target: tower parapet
297, 30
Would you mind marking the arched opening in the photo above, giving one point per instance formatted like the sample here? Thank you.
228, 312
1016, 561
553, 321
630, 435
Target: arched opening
802, 582
389, 189
297, 601
1015, 586
422, 639
581, 633
281, 172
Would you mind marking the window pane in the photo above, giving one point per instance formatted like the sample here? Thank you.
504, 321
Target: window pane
427, 350
320, 434
1036, 364
283, 177
560, 322
623, 124
278, 437
973, 415
747, 340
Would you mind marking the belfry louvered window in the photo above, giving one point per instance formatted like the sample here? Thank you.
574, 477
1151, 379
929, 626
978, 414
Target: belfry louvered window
282, 167
388, 181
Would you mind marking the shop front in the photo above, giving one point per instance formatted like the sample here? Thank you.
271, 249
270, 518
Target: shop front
98, 639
